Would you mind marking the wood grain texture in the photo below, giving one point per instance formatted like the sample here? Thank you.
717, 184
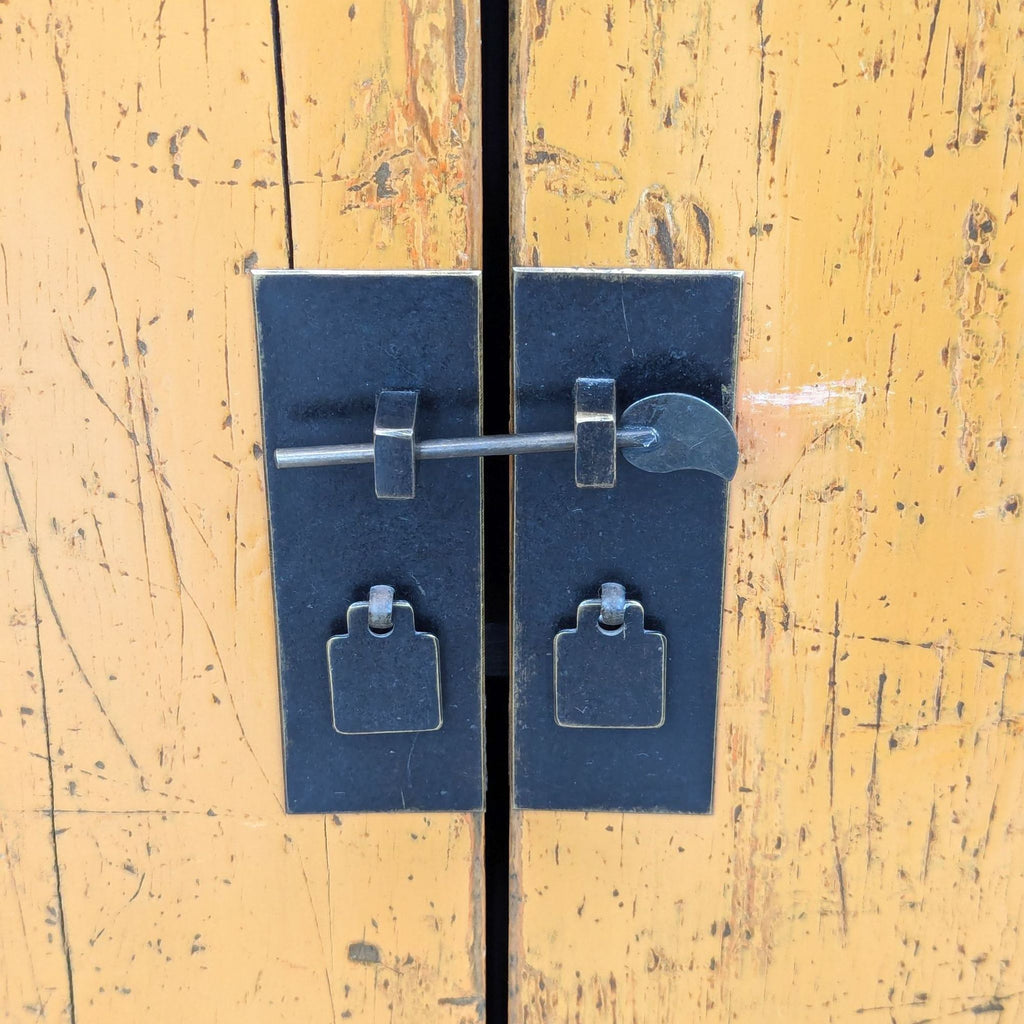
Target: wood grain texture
383, 115
862, 164
148, 869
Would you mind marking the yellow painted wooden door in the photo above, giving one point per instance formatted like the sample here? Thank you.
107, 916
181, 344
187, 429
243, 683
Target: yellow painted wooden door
148, 871
861, 163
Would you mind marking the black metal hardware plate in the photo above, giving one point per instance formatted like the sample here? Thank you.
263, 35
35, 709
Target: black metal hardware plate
661, 535
329, 343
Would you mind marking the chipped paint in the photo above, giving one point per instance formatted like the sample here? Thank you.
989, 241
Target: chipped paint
815, 395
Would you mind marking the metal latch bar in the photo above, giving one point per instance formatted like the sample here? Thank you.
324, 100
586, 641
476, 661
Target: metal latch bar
658, 434
457, 447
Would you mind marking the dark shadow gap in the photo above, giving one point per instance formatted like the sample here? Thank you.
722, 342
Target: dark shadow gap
494, 31
282, 130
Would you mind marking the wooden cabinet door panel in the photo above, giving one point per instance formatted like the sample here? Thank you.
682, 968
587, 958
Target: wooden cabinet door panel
149, 870
862, 165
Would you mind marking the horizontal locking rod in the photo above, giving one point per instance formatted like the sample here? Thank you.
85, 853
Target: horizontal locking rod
658, 434
458, 447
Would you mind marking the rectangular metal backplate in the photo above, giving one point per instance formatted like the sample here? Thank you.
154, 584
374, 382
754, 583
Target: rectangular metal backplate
662, 535
329, 343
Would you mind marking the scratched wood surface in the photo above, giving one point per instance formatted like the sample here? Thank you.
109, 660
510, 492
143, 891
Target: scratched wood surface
861, 163
147, 870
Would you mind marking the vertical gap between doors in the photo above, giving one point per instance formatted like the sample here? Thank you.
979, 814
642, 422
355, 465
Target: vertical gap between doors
494, 15
282, 131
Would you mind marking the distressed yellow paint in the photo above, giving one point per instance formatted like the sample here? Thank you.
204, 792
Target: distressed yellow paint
148, 870
862, 165
383, 113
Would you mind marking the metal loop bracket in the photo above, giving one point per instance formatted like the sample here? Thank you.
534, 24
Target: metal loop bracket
613, 605
380, 608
